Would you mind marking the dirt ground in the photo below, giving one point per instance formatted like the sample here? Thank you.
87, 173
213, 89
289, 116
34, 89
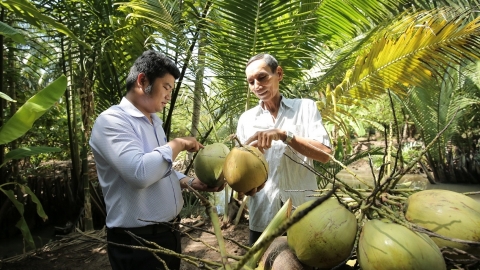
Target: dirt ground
78, 251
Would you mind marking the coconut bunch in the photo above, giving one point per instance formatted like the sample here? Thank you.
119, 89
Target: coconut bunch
430, 229
386, 225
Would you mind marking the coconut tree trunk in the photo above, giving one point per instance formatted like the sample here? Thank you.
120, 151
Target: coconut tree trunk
73, 143
2, 103
168, 121
199, 89
197, 92
86, 104
11, 77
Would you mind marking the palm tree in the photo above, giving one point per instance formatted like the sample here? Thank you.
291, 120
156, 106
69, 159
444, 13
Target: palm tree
452, 157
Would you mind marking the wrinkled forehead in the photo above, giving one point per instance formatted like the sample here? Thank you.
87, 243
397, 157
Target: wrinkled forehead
257, 67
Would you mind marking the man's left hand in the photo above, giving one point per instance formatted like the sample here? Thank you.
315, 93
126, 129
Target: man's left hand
200, 186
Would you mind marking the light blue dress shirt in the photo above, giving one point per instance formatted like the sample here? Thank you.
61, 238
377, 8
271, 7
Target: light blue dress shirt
301, 117
134, 167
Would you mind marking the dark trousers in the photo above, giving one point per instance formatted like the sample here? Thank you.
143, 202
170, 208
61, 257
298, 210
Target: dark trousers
123, 258
254, 235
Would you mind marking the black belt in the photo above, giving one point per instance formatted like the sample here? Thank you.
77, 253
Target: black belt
149, 229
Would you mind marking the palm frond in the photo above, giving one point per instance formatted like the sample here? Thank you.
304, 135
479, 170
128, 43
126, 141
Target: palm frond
341, 21
415, 57
431, 110
241, 29
331, 169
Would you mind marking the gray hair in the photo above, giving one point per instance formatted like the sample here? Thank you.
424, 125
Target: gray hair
269, 59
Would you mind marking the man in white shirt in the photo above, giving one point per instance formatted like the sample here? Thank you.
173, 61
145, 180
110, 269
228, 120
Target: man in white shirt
276, 126
134, 166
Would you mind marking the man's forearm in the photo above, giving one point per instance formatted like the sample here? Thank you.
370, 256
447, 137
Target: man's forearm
311, 148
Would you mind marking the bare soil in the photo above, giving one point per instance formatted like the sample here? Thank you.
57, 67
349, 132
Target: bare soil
78, 251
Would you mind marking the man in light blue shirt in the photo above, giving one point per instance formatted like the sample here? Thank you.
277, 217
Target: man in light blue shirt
279, 126
134, 166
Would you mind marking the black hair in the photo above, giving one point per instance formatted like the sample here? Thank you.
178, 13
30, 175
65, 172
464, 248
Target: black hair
269, 59
154, 65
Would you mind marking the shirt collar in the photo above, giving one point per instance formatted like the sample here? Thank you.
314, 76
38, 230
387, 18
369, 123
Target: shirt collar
129, 108
285, 101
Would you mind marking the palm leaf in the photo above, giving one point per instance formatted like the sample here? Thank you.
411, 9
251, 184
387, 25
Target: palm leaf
412, 58
341, 21
34, 108
286, 29
8, 31
431, 110
35, 17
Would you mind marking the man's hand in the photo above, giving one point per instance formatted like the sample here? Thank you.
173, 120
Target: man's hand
180, 144
255, 190
263, 139
199, 185
191, 144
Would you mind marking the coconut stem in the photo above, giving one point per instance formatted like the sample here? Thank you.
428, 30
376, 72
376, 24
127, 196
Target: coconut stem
433, 234
331, 181
212, 212
240, 210
235, 137
158, 249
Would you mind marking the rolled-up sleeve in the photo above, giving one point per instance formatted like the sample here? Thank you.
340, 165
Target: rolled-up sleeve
166, 152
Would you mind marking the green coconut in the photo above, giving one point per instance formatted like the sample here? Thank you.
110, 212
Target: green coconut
245, 168
208, 164
324, 238
386, 245
447, 213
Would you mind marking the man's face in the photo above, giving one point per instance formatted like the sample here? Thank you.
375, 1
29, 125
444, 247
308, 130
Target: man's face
262, 81
161, 93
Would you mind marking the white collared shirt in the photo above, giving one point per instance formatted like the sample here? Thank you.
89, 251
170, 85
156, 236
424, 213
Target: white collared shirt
301, 117
134, 167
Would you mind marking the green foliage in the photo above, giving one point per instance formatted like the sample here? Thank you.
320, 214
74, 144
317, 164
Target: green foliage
388, 62
6, 97
35, 107
8, 31
331, 169
432, 108
22, 224
411, 151
26, 10
23, 152
15, 127
192, 206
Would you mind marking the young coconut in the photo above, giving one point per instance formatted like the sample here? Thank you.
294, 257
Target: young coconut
447, 213
390, 246
245, 168
324, 238
208, 164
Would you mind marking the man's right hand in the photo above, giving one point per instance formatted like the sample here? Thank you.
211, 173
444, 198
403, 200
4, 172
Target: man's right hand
191, 144
253, 191
180, 144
